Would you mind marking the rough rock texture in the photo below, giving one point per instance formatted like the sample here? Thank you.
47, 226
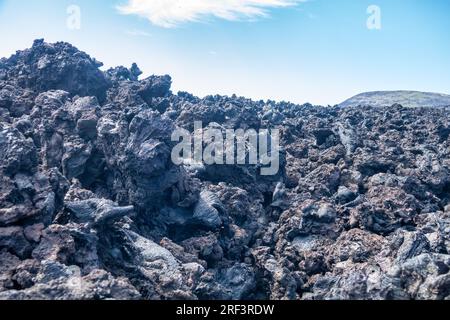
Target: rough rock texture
92, 207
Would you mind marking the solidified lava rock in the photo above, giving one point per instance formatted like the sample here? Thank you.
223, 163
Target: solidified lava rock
92, 207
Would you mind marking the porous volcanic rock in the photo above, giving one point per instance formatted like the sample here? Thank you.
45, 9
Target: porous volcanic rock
92, 206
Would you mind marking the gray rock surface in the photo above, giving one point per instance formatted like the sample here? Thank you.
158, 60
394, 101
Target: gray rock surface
92, 207
411, 99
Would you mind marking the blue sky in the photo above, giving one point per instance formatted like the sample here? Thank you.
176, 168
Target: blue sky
318, 51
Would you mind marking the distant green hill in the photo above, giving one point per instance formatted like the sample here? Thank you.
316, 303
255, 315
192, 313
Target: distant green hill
411, 99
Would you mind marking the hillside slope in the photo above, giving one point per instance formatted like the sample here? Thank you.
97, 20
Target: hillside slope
410, 99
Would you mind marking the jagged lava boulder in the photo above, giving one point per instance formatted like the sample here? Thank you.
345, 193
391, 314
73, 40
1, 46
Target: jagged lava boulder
92, 207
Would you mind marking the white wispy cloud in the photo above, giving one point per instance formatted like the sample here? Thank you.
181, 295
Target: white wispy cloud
170, 13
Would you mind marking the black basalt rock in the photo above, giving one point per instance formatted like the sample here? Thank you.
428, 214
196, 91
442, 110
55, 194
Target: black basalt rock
93, 207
